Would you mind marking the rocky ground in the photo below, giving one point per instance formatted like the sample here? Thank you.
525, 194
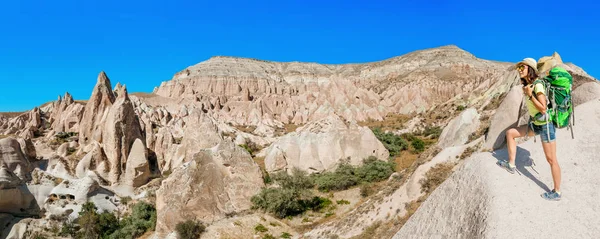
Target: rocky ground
201, 146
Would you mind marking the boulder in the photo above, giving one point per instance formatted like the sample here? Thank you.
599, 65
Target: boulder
14, 159
320, 146
506, 116
585, 92
459, 129
215, 183
15, 198
27, 148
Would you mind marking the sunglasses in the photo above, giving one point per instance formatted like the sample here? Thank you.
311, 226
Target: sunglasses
521, 67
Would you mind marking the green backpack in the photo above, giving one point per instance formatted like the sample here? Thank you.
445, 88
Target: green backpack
558, 86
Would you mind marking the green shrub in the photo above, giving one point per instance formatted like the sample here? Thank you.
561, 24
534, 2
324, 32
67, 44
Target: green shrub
342, 202
141, 220
418, 144
298, 180
90, 224
108, 224
374, 170
393, 143
260, 228
434, 132
268, 236
461, 108
69, 229
286, 235
89, 221
280, 201
71, 150
341, 179
266, 177
189, 229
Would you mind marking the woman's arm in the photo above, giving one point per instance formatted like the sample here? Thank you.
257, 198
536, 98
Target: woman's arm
540, 102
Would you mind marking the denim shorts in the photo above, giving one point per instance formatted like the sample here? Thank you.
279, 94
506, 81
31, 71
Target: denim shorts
544, 131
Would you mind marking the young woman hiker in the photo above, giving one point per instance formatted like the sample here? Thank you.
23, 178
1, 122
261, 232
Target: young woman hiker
539, 125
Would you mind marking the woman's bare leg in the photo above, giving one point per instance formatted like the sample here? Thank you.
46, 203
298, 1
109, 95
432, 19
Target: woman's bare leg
550, 151
511, 143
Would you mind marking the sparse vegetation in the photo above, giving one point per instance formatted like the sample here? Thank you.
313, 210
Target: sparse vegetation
346, 175
389, 122
125, 200
92, 224
286, 235
436, 176
189, 229
369, 232
251, 147
366, 190
260, 228
393, 143
292, 197
432, 131
71, 150
468, 152
2, 136
460, 108
268, 236
418, 145
343, 202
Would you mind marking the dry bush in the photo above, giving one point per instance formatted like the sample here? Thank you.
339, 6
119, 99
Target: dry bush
436, 176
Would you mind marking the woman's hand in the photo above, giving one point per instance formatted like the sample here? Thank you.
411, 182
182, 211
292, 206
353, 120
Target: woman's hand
528, 90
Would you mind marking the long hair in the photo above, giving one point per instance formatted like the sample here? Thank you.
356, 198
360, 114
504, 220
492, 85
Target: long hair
531, 76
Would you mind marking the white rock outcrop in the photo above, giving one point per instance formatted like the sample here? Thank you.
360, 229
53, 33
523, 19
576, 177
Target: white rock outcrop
216, 182
321, 145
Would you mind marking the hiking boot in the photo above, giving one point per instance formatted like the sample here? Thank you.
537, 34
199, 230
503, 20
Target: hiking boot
505, 165
552, 196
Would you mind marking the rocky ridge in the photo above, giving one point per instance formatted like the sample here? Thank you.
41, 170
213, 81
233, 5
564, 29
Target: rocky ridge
188, 137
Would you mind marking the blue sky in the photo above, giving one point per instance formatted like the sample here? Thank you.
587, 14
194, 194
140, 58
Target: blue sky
50, 47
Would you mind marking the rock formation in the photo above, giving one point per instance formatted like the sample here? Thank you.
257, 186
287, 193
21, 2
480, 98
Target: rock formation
120, 130
485, 195
66, 114
96, 111
250, 90
217, 182
457, 132
320, 146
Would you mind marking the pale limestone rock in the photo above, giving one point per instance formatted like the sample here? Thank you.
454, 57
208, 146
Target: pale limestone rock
121, 129
506, 116
14, 159
321, 145
247, 92
137, 171
66, 114
586, 92
216, 182
459, 129
96, 111
27, 148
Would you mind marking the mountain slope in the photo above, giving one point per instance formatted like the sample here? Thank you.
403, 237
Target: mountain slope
481, 200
